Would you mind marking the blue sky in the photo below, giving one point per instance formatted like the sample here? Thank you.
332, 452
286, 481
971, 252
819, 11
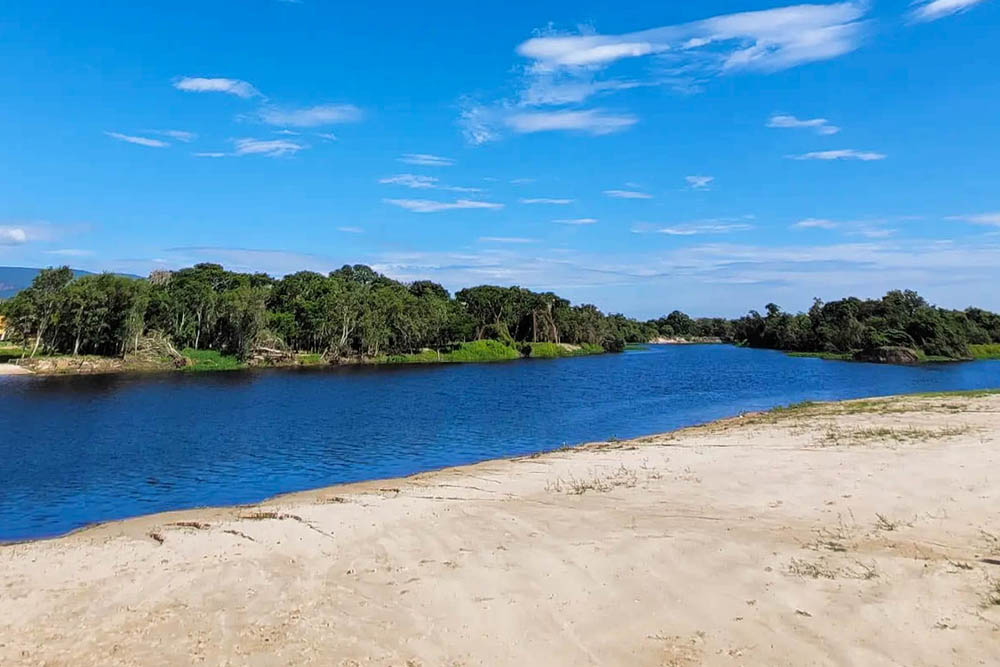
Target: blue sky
708, 156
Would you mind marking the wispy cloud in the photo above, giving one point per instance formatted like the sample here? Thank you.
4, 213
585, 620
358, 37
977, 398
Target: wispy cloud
844, 154
819, 125
506, 239
546, 200
699, 182
566, 69
576, 221
140, 141
419, 182
628, 194
771, 39
70, 252
693, 229
430, 206
209, 154
267, 147
990, 219
177, 135
592, 121
815, 223
194, 84
328, 136
314, 116
932, 10
351, 230
426, 160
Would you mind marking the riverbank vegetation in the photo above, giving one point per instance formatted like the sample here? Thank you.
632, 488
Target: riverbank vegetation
900, 323
221, 319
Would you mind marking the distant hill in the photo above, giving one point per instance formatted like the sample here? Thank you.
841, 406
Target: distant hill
13, 279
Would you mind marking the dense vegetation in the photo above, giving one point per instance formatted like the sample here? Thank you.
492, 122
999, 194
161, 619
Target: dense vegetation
220, 318
353, 312
900, 319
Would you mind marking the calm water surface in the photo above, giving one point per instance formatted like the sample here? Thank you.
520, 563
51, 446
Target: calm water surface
76, 450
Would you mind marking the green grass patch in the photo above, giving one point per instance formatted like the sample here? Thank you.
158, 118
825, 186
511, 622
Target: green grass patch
987, 351
474, 352
636, 347
557, 351
829, 356
210, 360
309, 359
483, 350
967, 393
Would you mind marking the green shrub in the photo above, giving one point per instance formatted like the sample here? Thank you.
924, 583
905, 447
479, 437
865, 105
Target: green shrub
210, 360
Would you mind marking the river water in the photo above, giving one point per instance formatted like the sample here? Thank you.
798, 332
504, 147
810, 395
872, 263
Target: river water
78, 450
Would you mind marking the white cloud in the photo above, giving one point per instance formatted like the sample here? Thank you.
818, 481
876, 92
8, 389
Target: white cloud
216, 85
419, 182
694, 229
771, 39
845, 154
430, 206
699, 182
178, 135
141, 141
329, 136
932, 10
546, 200
568, 69
576, 221
322, 114
820, 125
627, 194
209, 154
990, 219
351, 230
815, 223
268, 148
506, 239
13, 235
426, 160
70, 252
591, 121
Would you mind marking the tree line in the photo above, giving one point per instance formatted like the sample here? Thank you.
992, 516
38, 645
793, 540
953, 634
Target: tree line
356, 312
351, 312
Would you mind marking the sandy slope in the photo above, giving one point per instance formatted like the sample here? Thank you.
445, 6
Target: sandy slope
13, 369
849, 534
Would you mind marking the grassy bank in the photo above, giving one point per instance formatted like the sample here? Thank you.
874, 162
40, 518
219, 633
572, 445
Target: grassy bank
481, 351
990, 351
210, 360
474, 352
921, 357
557, 350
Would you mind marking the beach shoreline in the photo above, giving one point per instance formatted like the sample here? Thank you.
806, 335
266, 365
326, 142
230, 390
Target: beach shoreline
855, 532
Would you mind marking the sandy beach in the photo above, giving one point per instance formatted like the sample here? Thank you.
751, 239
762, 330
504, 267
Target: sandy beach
859, 533
13, 369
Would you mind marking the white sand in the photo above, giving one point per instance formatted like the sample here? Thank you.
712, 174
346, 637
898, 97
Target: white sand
748, 542
13, 369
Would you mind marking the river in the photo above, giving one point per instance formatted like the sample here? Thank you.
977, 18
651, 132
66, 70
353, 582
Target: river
77, 450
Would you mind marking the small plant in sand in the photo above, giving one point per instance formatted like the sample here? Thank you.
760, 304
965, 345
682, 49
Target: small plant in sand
599, 483
993, 594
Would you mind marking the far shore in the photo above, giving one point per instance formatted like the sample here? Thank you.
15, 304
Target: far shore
862, 532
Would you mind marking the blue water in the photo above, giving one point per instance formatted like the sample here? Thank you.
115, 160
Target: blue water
77, 450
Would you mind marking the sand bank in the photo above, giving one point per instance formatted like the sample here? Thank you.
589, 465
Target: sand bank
844, 534
13, 369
